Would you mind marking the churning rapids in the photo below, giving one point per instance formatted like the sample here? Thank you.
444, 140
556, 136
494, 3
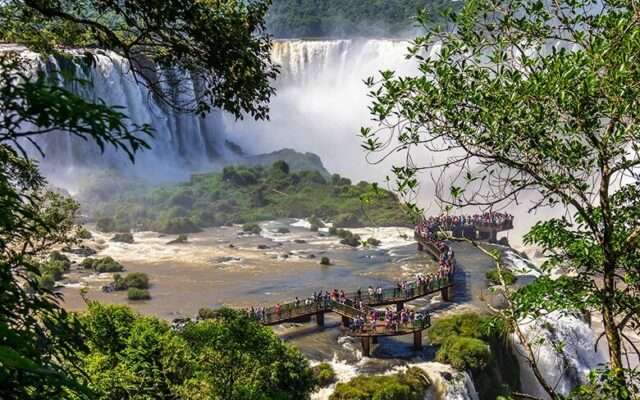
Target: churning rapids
320, 104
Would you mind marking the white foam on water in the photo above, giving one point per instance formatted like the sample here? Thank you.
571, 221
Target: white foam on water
344, 373
519, 265
390, 237
302, 223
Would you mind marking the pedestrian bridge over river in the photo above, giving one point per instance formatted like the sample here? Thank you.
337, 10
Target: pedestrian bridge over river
350, 308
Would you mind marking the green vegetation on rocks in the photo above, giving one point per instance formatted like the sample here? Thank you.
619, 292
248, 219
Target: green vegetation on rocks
475, 343
138, 294
137, 280
409, 385
508, 276
105, 264
180, 239
122, 238
283, 230
323, 374
373, 242
83, 233
238, 194
251, 227
325, 261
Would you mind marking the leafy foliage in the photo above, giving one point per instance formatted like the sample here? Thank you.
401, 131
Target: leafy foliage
231, 357
540, 98
508, 276
473, 342
38, 339
324, 374
134, 293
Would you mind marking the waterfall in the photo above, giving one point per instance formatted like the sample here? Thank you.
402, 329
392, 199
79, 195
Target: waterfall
563, 369
321, 101
182, 143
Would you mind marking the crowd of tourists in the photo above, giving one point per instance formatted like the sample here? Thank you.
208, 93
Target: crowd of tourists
359, 300
393, 321
497, 219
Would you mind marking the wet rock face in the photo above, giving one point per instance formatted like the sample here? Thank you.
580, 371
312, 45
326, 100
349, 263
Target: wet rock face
83, 251
179, 240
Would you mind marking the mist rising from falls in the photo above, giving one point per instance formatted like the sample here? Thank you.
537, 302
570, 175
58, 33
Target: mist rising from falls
322, 102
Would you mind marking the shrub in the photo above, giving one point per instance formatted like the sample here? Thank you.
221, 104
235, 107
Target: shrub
348, 238
508, 276
208, 313
464, 353
251, 227
122, 238
106, 264
325, 261
57, 258
46, 282
467, 324
283, 230
119, 282
83, 233
138, 294
138, 280
323, 374
316, 221
409, 385
87, 263
373, 242
178, 225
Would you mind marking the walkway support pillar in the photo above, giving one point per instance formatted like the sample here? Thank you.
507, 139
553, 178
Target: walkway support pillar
445, 294
420, 247
366, 346
345, 321
399, 306
374, 340
417, 340
320, 318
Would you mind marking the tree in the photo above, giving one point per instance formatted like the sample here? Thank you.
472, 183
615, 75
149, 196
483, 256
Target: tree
222, 44
535, 98
39, 339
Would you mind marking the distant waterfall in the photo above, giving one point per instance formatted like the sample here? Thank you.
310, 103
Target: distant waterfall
321, 101
181, 143
320, 104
